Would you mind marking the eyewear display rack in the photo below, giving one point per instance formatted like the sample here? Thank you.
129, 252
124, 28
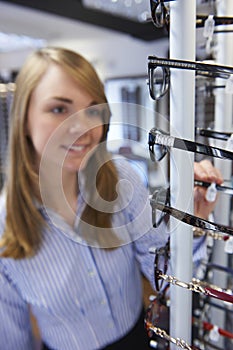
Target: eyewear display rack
182, 45
182, 115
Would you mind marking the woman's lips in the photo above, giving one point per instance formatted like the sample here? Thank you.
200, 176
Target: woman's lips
76, 148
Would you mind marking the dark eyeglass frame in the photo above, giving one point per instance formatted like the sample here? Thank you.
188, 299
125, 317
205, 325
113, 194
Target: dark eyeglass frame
165, 253
157, 203
160, 137
152, 318
161, 18
204, 69
219, 135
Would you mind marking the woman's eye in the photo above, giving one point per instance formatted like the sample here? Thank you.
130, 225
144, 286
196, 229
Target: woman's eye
94, 112
59, 110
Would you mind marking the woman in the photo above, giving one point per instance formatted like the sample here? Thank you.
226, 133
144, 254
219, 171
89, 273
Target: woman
75, 224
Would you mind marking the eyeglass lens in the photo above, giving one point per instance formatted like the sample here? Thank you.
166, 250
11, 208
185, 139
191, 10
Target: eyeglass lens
158, 81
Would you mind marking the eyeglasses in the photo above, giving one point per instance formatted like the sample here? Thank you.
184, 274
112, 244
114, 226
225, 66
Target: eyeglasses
157, 316
160, 13
163, 252
162, 256
154, 314
161, 16
160, 68
157, 202
160, 142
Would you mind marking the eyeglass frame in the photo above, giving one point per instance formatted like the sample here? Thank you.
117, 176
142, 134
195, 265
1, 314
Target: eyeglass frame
162, 138
152, 327
183, 216
165, 15
200, 19
204, 69
219, 135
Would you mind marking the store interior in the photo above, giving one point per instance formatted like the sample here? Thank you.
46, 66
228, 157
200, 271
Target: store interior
118, 43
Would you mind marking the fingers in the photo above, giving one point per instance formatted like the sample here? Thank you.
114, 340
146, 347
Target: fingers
202, 207
205, 171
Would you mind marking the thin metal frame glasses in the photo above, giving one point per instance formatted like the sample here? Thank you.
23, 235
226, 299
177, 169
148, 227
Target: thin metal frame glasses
156, 64
162, 256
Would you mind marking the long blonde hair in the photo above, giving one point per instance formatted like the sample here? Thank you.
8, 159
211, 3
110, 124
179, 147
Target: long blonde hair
24, 222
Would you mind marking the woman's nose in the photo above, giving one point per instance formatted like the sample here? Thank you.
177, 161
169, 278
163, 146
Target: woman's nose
78, 127
75, 128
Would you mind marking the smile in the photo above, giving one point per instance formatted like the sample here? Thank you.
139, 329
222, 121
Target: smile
76, 148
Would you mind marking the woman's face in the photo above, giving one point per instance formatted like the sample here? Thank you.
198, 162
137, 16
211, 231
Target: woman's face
59, 122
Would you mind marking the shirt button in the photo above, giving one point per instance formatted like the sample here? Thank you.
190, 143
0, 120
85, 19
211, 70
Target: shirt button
103, 302
110, 325
91, 273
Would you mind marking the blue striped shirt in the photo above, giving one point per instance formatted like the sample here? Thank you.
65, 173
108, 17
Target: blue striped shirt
83, 297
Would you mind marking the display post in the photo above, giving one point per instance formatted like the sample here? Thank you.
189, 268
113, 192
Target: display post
223, 122
182, 115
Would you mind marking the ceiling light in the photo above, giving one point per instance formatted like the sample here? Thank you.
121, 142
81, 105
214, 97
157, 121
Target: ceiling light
11, 42
136, 10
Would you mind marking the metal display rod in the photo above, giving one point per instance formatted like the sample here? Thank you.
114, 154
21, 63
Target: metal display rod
223, 121
182, 115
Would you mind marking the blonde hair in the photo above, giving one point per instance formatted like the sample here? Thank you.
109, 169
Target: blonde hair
24, 222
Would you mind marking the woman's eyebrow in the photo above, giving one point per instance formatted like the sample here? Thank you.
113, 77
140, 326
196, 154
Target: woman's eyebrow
63, 99
93, 103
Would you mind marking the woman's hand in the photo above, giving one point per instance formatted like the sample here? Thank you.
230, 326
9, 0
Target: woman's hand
205, 171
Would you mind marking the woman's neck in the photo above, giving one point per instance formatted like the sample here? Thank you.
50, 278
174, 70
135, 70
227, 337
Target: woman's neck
59, 191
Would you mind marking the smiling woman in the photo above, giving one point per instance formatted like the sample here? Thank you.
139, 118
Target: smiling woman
49, 108
75, 221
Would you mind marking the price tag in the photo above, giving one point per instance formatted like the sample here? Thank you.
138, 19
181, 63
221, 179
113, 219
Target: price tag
214, 334
229, 246
211, 193
209, 27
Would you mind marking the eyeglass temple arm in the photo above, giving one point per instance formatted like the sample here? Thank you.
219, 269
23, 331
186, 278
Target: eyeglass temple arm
155, 61
213, 134
195, 286
225, 189
186, 145
200, 20
190, 219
